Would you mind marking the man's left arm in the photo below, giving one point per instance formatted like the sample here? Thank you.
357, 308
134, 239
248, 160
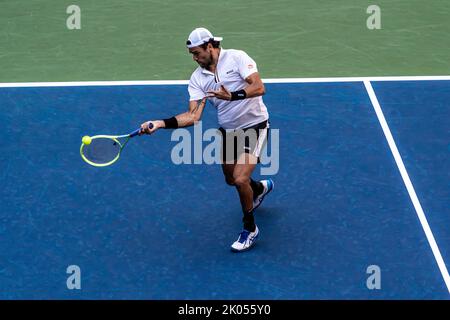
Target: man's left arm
255, 87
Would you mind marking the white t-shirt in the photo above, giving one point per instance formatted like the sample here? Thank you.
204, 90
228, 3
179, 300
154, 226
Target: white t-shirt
233, 67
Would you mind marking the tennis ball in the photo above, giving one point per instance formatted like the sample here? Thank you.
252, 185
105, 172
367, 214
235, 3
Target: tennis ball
86, 140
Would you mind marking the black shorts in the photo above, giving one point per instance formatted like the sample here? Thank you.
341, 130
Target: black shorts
248, 140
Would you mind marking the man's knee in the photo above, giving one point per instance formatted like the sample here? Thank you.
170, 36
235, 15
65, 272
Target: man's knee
240, 181
229, 181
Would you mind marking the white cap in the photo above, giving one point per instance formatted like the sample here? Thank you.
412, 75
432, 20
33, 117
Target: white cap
200, 36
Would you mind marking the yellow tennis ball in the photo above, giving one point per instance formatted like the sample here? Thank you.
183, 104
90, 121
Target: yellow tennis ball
86, 140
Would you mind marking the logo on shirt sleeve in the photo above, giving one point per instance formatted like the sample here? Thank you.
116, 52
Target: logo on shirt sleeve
250, 66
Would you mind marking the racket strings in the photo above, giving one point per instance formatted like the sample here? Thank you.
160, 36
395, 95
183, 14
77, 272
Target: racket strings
102, 150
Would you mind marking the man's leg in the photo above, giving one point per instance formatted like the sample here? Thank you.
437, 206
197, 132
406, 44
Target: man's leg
257, 188
237, 172
228, 170
241, 176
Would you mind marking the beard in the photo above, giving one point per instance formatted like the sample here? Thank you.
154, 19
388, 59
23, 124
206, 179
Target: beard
206, 64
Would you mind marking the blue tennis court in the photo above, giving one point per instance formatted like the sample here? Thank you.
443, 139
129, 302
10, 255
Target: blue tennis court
145, 228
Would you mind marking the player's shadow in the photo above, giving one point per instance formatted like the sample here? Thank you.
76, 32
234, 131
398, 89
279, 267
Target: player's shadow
269, 216
267, 211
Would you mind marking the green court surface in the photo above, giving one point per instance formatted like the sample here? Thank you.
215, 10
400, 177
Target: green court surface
145, 39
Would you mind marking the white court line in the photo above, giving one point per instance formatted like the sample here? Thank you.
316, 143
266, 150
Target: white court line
408, 184
185, 82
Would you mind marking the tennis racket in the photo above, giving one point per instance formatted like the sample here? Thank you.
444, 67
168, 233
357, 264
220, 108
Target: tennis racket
104, 150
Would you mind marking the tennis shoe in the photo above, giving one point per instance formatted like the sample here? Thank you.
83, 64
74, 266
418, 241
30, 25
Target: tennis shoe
268, 186
245, 241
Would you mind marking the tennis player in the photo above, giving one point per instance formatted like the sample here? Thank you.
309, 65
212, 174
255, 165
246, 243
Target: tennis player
229, 79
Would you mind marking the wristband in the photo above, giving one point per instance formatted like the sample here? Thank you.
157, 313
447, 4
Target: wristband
238, 95
170, 123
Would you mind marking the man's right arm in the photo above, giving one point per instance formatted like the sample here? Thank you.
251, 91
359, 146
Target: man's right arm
185, 119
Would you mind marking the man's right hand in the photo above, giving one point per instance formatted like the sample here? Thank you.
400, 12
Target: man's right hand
145, 127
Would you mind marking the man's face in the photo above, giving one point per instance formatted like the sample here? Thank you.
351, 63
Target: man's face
202, 56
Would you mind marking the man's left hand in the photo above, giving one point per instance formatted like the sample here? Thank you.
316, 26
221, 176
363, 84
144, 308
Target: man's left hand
222, 93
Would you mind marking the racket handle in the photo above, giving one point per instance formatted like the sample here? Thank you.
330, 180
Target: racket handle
136, 132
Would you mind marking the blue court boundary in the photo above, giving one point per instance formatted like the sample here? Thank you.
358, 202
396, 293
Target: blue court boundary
375, 103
